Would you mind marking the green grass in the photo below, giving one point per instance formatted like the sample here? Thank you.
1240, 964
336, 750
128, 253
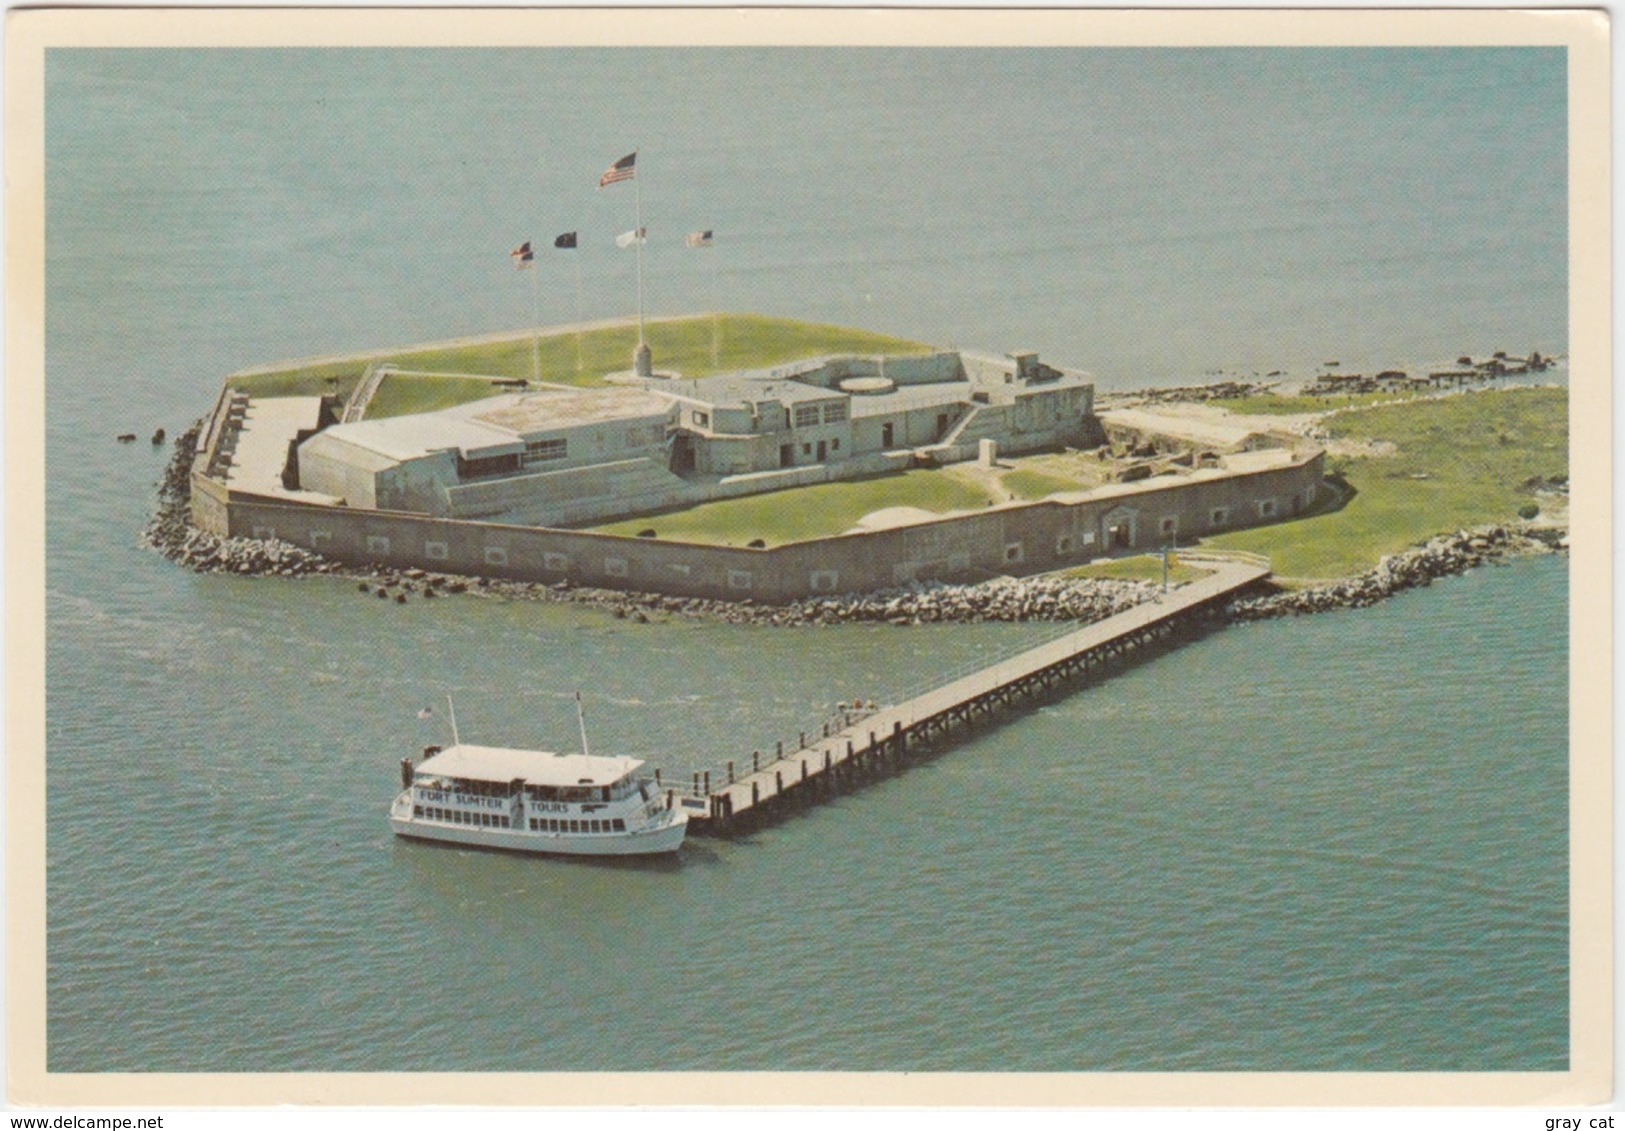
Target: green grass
1474, 451
1274, 404
400, 394
1145, 567
1025, 483
800, 513
744, 341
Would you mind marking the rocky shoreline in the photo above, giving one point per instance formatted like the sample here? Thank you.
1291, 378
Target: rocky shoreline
1003, 599
1441, 556
172, 534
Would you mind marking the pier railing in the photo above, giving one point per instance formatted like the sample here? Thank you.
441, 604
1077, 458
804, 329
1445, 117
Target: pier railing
704, 781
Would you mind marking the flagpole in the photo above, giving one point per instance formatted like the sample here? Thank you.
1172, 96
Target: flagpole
716, 311
536, 326
577, 258
637, 240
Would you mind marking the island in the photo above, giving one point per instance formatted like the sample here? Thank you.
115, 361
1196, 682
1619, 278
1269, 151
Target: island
770, 469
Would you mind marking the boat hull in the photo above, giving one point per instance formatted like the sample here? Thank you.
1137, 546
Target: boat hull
642, 842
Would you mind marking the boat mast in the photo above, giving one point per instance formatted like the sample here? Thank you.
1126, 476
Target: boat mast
452, 710
581, 718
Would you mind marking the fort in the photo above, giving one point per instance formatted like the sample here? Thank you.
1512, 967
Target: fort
501, 484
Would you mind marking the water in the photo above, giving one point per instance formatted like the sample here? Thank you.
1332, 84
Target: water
1332, 843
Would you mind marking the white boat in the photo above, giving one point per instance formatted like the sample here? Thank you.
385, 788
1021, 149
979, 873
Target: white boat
535, 801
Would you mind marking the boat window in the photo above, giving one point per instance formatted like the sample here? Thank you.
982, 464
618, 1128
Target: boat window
618, 825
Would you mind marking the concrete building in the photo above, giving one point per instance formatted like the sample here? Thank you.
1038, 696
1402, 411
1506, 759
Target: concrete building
574, 456
518, 456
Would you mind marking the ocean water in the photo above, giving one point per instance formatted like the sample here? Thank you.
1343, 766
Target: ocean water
1329, 843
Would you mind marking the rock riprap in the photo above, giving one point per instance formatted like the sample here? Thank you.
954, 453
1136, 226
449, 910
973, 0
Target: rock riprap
1441, 556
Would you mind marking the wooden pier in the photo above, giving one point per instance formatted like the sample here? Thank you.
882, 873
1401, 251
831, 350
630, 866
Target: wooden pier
870, 742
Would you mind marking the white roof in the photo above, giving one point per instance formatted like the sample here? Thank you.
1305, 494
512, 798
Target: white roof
537, 767
495, 425
402, 438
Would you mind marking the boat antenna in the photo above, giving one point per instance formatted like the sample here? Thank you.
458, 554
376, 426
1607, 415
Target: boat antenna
581, 717
451, 709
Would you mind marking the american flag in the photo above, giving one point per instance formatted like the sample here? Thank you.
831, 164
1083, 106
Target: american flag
522, 256
698, 239
622, 170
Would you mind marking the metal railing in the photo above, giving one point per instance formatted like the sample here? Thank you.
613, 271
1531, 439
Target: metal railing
695, 783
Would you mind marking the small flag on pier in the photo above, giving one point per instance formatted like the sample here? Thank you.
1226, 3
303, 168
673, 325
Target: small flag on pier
567, 240
698, 239
637, 235
522, 256
622, 170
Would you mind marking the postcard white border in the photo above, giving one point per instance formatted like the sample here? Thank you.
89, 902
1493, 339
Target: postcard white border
1583, 32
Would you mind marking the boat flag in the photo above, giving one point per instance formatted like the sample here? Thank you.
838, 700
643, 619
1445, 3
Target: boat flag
698, 239
522, 256
622, 170
567, 240
636, 235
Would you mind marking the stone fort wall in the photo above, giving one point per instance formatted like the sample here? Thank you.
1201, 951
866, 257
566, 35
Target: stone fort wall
1010, 539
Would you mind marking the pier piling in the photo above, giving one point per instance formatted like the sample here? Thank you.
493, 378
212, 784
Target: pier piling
963, 702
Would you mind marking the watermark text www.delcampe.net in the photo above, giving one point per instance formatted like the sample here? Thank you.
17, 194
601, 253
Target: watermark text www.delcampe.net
87, 1123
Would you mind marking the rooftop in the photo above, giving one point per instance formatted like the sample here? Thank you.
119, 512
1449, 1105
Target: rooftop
536, 767
496, 424
410, 437
750, 387
536, 412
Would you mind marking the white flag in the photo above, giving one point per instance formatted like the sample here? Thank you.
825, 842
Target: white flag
637, 235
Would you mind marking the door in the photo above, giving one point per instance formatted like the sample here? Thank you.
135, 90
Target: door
787, 455
823, 450
886, 435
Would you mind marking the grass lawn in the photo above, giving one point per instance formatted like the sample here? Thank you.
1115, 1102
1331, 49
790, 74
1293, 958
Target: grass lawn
1460, 462
400, 394
801, 513
743, 341
1145, 567
1025, 483
1273, 404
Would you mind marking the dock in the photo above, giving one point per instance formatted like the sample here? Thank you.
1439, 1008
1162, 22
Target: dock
864, 742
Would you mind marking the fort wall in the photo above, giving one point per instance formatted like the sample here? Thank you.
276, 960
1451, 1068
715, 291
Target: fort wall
1010, 539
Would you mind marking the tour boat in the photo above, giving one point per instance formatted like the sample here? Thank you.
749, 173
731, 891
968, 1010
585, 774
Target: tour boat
535, 801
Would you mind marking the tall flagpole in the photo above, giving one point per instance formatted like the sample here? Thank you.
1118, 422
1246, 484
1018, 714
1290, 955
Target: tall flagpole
716, 310
637, 239
577, 258
626, 170
536, 326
